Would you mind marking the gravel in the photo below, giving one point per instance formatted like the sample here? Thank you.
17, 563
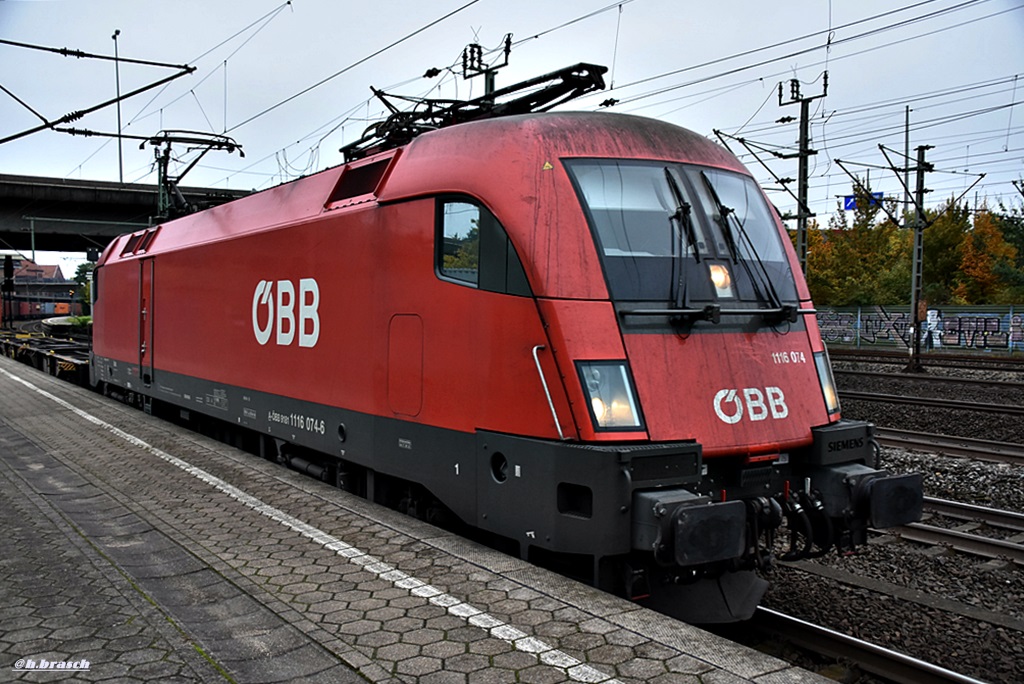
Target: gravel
960, 639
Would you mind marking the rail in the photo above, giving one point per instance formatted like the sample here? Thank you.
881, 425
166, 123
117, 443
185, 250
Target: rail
936, 379
884, 662
949, 445
1007, 520
986, 359
965, 542
1006, 409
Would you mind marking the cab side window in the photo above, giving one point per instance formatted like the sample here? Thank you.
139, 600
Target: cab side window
473, 248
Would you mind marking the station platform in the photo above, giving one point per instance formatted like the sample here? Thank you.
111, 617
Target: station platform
135, 550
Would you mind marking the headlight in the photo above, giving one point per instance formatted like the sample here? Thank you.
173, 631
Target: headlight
721, 279
613, 406
828, 384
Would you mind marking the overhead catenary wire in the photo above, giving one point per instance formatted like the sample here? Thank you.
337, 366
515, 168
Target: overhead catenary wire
263, 22
353, 65
765, 62
790, 55
449, 70
873, 31
840, 123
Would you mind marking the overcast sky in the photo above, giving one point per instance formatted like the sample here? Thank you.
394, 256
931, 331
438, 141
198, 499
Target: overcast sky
698, 64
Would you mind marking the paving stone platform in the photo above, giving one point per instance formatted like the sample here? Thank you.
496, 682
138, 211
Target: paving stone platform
134, 550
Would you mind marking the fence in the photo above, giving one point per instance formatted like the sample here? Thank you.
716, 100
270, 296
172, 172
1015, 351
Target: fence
963, 328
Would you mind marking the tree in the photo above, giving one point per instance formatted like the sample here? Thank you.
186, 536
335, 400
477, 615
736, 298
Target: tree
1011, 225
983, 254
821, 264
865, 263
83, 276
943, 241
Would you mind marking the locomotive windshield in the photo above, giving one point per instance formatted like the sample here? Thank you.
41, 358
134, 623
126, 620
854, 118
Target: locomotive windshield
684, 235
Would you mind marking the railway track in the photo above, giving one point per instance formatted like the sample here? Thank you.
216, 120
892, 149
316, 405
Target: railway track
980, 360
1007, 520
966, 541
928, 402
935, 379
886, 663
949, 445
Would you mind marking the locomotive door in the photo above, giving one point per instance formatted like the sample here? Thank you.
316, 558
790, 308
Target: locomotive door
146, 321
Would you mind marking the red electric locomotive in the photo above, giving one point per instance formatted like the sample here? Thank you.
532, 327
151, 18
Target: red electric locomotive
583, 333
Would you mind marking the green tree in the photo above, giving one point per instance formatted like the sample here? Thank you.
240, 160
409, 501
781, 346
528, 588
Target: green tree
943, 242
84, 280
1011, 225
860, 263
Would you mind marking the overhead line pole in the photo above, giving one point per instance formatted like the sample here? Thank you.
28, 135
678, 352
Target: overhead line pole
906, 168
803, 211
117, 78
916, 299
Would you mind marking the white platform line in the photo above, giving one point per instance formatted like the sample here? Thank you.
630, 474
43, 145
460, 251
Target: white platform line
545, 653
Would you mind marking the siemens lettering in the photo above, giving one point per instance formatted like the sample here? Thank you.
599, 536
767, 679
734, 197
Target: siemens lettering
844, 444
282, 316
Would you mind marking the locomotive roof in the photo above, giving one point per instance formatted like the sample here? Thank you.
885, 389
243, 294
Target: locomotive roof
473, 158
599, 134
475, 151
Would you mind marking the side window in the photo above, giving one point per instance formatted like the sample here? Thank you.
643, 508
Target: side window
460, 241
473, 248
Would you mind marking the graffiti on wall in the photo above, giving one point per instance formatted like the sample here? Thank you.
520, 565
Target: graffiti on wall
946, 328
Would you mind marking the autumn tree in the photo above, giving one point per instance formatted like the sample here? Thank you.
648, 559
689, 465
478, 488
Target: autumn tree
868, 260
983, 255
821, 265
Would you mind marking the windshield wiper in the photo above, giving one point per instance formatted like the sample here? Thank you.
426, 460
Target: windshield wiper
787, 312
684, 220
723, 218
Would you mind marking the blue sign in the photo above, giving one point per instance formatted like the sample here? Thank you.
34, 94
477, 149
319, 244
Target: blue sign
850, 201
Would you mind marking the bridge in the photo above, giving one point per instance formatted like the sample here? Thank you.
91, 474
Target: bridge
64, 215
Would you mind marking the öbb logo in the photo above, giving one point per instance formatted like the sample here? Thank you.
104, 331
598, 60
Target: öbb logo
280, 314
730, 405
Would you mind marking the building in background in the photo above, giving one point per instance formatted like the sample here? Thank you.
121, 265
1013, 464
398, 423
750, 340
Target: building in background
42, 290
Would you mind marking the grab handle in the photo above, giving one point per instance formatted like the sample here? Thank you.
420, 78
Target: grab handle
547, 393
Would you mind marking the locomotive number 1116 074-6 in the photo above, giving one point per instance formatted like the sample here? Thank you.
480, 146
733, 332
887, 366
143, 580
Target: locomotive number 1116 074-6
297, 421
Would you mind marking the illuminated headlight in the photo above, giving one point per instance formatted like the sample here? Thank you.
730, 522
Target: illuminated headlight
721, 279
828, 384
613, 405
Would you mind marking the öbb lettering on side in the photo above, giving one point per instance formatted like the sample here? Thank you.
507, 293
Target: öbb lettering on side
282, 316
